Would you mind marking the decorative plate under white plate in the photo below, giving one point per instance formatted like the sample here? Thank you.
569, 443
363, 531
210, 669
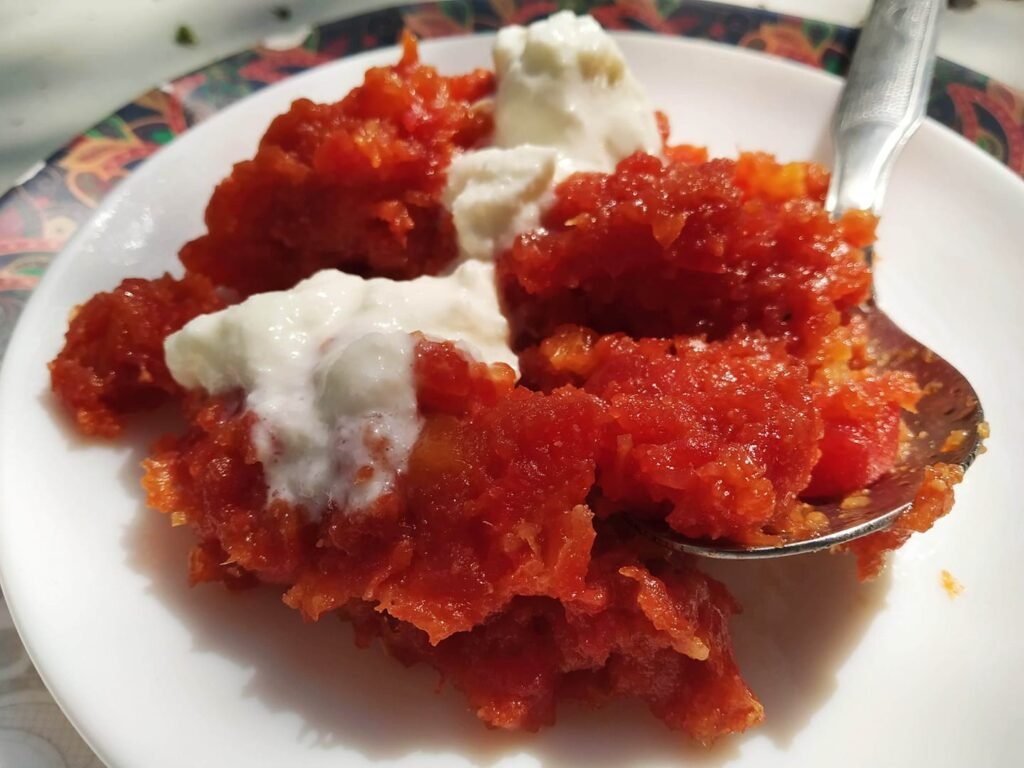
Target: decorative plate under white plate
893, 673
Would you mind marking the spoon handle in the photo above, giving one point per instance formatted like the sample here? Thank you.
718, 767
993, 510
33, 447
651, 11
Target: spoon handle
884, 100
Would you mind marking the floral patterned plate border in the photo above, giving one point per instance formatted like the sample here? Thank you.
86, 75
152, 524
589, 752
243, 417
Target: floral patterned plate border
39, 216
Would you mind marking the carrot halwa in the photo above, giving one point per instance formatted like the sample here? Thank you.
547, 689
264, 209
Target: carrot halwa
690, 352
112, 363
354, 185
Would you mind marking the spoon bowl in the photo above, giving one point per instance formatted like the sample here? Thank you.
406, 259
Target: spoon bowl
947, 427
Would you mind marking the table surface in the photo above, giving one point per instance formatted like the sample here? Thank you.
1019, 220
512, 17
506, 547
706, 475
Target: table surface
66, 64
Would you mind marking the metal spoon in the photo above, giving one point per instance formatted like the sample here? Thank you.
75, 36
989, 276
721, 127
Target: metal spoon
882, 104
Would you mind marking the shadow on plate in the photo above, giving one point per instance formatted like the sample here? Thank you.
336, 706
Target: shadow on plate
802, 617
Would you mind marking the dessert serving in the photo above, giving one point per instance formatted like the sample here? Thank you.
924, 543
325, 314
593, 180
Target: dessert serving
445, 338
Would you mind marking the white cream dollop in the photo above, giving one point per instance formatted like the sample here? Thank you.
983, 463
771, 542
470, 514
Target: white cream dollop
327, 367
564, 83
565, 102
495, 194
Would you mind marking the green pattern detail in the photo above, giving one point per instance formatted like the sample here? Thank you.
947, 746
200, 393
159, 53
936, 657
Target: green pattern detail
459, 11
817, 32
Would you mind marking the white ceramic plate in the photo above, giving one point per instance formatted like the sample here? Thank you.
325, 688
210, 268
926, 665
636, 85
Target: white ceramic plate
893, 673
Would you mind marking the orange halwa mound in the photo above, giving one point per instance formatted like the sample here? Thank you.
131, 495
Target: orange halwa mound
489, 508
492, 506
112, 362
735, 292
717, 438
480, 563
659, 250
660, 636
353, 185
